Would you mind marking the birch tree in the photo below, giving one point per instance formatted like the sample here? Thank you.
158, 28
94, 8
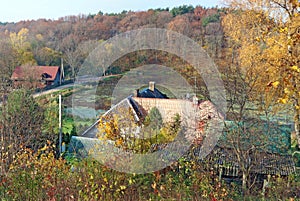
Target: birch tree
267, 34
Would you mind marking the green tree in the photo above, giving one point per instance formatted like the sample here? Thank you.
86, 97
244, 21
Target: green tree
210, 19
7, 63
51, 110
182, 10
154, 119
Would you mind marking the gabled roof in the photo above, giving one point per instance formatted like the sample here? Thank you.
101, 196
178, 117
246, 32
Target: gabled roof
48, 73
119, 108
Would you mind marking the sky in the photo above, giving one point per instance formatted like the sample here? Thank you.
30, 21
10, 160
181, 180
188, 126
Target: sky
17, 10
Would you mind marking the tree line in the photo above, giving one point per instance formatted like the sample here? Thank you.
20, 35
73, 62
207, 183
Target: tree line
44, 42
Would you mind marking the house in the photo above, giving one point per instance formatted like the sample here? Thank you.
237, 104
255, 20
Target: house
36, 76
196, 113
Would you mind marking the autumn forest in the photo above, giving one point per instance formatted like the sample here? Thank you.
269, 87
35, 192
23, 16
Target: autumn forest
255, 45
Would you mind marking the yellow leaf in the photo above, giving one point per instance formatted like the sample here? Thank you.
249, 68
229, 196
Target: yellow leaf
286, 91
130, 181
275, 84
282, 100
153, 185
122, 187
44, 148
295, 68
105, 180
119, 141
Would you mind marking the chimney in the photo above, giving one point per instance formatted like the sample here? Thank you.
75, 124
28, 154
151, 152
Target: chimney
152, 86
195, 100
136, 93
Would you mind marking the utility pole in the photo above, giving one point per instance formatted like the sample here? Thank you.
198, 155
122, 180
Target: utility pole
60, 127
62, 74
195, 85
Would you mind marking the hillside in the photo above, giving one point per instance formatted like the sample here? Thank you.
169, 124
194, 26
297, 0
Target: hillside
252, 153
73, 37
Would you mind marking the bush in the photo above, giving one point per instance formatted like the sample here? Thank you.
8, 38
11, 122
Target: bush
40, 176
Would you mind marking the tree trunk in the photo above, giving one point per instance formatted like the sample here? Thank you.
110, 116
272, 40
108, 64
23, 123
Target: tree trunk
244, 184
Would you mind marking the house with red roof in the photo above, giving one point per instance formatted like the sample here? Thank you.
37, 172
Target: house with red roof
36, 76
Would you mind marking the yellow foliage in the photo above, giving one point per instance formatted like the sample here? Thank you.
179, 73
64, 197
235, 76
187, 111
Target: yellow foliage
267, 41
282, 100
44, 148
283, 30
295, 68
22, 47
287, 91
122, 187
119, 142
275, 84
